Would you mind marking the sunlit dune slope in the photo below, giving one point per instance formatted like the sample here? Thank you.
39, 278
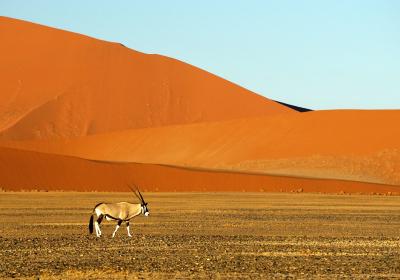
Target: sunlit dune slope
349, 144
57, 84
24, 170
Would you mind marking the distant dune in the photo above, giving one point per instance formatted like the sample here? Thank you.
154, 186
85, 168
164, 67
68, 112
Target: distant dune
77, 113
296, 108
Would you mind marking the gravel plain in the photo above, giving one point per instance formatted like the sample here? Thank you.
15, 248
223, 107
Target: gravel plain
203, 235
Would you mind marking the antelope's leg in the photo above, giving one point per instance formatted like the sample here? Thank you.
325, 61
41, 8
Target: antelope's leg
96, 227
127, 228
117, 227
97, 224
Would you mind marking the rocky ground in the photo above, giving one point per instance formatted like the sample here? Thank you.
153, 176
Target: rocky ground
207, 235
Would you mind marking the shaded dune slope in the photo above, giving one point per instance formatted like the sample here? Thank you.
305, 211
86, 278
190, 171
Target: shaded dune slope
58, 84
296, 108
54, 172
350, 145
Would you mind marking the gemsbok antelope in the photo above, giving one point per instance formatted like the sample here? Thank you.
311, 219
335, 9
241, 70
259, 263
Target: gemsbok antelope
120, 212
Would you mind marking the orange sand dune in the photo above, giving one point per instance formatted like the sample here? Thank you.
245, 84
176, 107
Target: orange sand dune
349, 144
24, 170
57, 84
66, 94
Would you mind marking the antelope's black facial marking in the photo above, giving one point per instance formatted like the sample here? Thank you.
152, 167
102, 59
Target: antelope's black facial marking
145, 210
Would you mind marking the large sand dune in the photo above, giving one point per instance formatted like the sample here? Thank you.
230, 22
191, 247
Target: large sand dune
57, 84
81, 113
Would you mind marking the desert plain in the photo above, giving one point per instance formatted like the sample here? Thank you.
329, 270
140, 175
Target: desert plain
202, 235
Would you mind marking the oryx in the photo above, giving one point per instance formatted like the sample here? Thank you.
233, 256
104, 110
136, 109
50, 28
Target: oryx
120, 212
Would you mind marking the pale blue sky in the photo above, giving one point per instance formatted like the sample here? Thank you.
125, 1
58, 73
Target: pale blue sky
318, 54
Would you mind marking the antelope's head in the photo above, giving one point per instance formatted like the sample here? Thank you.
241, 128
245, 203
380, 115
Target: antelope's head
143, 204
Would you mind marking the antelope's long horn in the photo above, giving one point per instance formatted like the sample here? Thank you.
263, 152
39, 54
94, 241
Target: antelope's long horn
141, 196
134, 192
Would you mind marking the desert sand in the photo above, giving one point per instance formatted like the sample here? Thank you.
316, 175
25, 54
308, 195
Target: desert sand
79, 113
25, 170
347, 145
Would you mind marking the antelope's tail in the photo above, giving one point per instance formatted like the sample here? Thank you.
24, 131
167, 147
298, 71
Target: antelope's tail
91, 224
91, 217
